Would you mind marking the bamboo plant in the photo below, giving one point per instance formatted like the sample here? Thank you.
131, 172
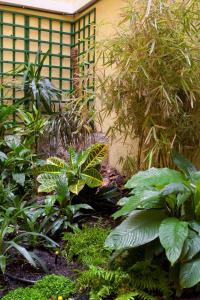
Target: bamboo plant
153, 88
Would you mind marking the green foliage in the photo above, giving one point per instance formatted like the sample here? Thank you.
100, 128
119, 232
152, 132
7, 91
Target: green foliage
153, 88
6, 123
38, 90
16, 164
18, 214
49, 287
80, 170
13, 240
33, 126
163, 204
72, 126
141, 281
87, 245
105, 279
25, 294
67, 179
55, 285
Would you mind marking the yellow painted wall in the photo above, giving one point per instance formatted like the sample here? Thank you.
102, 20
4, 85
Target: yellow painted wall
108, 13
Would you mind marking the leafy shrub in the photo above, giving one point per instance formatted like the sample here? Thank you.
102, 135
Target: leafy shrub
87, 245
25, 294
164, 204
55, 285
67, 179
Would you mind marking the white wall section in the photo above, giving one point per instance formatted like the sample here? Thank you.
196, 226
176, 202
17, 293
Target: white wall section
57, 6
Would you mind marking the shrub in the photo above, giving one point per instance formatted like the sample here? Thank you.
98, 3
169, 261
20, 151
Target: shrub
55, 285
153, 87
163, 214
87, 245
25, 294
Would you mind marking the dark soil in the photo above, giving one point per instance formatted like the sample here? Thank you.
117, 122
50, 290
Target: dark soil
23, 270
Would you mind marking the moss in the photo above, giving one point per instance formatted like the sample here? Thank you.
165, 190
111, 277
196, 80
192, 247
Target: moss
25, 294
48, 287
87, 245
55, 285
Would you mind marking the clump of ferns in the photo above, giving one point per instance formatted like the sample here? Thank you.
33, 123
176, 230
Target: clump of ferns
141, 281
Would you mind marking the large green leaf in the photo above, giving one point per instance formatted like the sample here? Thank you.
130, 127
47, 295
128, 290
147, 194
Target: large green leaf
96, 154
3, 263
143, 198
183, 163
183, 192
172, 234
190, 273
48, 169
191, 246
62, 188
195, 177
13, 141
141, 227
57, 162
131, 204
19, 178
22, 251
48, 182
77, 187
3, 156
92, 177
155, 177
72, 157
77, 207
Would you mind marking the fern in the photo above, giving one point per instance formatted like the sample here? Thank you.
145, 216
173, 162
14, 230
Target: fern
146, 276
127, 296
138, 283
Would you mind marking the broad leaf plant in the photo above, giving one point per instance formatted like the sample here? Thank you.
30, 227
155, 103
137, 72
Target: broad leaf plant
163, 205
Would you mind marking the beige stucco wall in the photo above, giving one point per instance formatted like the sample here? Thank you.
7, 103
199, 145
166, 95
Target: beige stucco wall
108, 14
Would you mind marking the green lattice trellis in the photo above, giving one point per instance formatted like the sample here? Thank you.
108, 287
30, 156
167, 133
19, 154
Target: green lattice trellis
21, 35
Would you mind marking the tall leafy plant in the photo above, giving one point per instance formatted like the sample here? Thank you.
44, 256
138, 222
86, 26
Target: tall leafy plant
153, 89
164, 205
38, 89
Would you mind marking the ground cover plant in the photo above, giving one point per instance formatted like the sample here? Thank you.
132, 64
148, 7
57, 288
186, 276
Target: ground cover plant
86, 245
49, 287
106, 277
